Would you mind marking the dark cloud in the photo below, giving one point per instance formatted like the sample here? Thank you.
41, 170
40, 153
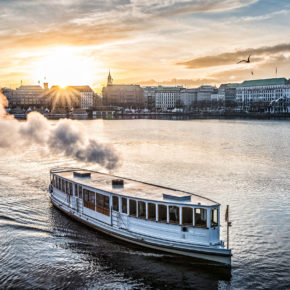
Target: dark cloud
233, 57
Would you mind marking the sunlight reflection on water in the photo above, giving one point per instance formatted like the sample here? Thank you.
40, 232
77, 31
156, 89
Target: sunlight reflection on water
245, 164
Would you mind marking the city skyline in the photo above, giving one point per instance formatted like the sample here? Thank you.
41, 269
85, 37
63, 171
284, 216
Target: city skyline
170, 42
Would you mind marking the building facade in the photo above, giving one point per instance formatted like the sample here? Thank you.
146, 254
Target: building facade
188, 97
149, 97
204, 93
26, 97
122, 95
265, 95
86, 96
167, 98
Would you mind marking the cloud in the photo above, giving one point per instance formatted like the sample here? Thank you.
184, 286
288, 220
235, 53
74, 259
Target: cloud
230, 58
45, 22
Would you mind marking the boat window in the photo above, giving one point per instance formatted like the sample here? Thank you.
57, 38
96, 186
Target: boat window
106, 205
162, 213
124, 205
187, 213
132, 207
67, 187
151, 211
174, 214
76, 190
70, 188
141, 209
62, 185
200, 217
80, 191
115, 203
57, 183
103, 204
89, 199
214, 217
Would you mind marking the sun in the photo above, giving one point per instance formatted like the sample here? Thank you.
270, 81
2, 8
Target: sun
65, 66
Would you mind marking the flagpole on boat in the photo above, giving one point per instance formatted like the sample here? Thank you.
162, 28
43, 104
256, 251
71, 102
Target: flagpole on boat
227, 217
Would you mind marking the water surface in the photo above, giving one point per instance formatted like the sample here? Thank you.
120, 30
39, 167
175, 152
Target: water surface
245, 164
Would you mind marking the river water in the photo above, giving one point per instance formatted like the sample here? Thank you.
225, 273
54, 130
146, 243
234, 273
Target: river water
245, 164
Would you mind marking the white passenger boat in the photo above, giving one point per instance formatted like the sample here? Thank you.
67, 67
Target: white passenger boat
152, 216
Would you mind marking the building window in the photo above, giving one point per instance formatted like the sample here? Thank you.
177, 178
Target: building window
132, 207
214, 218
151, 211
173, 214
115, 203
187, 214
162, 213
124, 205
141, 209
200, 217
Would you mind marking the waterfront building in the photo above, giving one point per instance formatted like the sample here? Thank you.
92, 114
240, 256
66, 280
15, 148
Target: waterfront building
264, 95
86, 96
149, 97
122, 95
204, 93
31, 96
167, 98
188, 97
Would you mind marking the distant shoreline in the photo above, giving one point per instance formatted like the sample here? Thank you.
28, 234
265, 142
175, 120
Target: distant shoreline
169, 116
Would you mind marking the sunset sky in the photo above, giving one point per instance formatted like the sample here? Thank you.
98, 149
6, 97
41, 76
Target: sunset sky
148, 42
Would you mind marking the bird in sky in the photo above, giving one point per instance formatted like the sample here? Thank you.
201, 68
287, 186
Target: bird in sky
245, 60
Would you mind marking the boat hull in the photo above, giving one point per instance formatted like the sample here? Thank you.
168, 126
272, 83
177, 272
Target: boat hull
222, 256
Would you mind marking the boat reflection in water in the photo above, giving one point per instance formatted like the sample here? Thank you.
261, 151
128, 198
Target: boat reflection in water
92, 254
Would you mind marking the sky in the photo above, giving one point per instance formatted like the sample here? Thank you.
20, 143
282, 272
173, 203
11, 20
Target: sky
165, 42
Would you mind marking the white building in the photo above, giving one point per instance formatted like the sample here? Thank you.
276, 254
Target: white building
167, 97
266, 94
86, 95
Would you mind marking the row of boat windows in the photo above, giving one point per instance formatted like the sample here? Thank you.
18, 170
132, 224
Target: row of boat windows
165, 213
140, 209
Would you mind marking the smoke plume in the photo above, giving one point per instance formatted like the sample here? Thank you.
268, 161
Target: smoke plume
67, 137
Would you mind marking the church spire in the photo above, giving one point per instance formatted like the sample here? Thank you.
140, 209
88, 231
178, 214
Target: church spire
110, 80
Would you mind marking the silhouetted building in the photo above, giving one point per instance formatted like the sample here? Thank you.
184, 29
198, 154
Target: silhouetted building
27, 96
122, 95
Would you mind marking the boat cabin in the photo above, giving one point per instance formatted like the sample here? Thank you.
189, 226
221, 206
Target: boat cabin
139, 207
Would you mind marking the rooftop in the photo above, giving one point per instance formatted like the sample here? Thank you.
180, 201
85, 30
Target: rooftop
136, 189
81, 88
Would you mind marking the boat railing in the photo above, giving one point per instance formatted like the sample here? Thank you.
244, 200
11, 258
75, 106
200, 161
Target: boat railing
63, 169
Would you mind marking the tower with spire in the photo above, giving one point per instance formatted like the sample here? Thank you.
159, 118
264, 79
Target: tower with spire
110, 80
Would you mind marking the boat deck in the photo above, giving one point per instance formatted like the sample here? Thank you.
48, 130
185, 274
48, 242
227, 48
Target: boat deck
136, 189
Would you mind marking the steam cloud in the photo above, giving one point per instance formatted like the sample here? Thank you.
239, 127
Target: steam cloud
67, 137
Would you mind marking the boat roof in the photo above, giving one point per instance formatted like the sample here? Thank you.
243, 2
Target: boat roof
133, 188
